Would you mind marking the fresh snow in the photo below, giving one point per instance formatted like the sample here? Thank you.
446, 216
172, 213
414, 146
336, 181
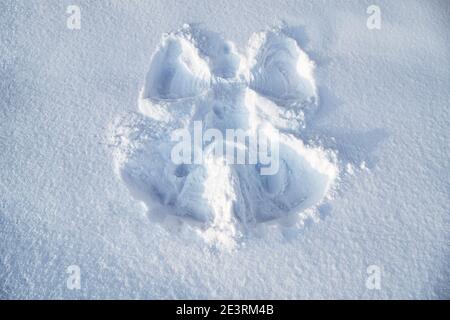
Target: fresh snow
217, 196
86, 177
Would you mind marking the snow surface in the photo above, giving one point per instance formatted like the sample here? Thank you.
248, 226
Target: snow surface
220, 193
81, 110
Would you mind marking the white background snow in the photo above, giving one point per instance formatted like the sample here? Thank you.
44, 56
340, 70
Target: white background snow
384, 107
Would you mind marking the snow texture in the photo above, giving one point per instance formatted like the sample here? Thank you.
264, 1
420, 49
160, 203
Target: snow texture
85, 123
180, 89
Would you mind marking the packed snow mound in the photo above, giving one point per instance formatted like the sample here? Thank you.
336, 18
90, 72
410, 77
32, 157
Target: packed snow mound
199, 85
